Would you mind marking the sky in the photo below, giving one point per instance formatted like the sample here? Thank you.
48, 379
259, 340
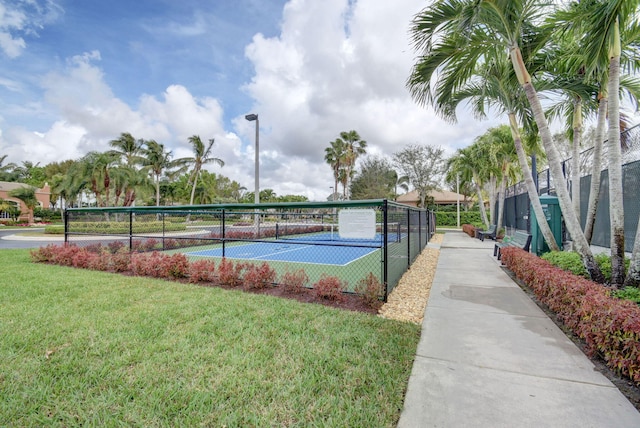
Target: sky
75, 74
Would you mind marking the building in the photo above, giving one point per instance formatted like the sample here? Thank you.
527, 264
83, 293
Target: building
439, 198
42, 195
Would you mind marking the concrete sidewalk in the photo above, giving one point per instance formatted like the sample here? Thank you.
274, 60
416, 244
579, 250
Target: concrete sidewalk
489, 357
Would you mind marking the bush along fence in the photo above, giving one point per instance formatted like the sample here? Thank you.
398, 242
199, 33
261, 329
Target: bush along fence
609, 326
352, 246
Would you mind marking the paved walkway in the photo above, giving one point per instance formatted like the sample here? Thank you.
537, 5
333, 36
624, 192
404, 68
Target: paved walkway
489, 357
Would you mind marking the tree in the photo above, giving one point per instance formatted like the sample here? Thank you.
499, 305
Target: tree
201, 157
352, 147
474, 29
334, 155
375, 180
603, 27
130, 152
158, 162
28, 196
466, 167
423, 165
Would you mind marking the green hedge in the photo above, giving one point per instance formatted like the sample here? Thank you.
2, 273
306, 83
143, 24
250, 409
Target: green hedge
450, 218
105, 227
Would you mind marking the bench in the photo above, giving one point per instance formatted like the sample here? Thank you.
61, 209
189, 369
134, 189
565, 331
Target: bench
489, 233
518, 239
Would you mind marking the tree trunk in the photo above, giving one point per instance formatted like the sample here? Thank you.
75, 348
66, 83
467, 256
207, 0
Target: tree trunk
616, 210
492, 199
500, 216
553, 157
534, 198
575, 155
633, 276
596, 171
483, 211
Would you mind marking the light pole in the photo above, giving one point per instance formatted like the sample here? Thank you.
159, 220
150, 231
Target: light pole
251, 117
256, 196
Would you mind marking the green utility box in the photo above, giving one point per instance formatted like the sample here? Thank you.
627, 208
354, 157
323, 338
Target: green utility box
552, 212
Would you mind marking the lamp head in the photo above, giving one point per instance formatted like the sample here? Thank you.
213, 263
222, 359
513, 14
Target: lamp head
251, 117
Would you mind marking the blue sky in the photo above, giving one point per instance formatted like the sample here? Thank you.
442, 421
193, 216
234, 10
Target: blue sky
75, 74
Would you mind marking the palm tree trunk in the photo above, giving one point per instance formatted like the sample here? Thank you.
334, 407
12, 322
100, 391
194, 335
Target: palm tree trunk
534, 198
616, 210
503, 186
575, 155
633, 276
571, 220
483, 211
596, 171
492, 199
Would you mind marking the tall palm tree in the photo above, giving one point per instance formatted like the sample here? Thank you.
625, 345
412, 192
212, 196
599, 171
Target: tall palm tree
603, 26
458, 34
491, 84
130, 152
354, 148
464, 166
201, 157
334, 155
157, 161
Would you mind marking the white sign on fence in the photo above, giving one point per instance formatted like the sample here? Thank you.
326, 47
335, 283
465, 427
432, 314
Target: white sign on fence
357, 224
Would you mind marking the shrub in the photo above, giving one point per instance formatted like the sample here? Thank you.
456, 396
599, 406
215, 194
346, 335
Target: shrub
120, 261
567, 260
371, 290
469, 229
115, 246
202, 270
329, 287
628, 293
294, 281
571, 261
44, 254
258, 276
230, 273
609, 326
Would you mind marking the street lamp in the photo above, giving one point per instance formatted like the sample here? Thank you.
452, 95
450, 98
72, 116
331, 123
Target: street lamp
251, 117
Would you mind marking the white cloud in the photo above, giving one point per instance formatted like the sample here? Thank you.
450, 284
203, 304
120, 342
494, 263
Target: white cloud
336, 65
24, 18
340, 65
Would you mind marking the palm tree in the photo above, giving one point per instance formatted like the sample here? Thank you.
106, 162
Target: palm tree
603, 26
157, 161
201, 157
130, 152
465, 166
458, 34
355, 147
334, 156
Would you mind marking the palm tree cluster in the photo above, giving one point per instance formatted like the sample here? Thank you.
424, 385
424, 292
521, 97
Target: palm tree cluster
133, 171
489, 165
342, 155
499, 53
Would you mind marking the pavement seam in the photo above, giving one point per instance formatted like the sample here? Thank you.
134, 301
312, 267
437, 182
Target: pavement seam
495, 369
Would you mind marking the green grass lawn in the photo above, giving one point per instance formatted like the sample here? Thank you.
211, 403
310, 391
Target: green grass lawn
90, 348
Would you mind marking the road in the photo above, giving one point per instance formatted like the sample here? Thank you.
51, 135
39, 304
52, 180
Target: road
24, 242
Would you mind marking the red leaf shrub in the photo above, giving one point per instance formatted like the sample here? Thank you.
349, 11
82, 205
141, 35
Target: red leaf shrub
230, 274
44, 254
120, 261
202, 270
294, 281
329, 287
609, 326
258, 276
160, 265
115, 246
370, 288
469, 229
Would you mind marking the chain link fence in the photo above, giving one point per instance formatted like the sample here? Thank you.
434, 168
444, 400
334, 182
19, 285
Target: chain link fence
350, 240
517, 206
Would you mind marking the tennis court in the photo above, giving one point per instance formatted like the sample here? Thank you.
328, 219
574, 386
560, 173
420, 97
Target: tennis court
299, 252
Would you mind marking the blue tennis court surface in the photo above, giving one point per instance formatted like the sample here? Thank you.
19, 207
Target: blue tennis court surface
279, 251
